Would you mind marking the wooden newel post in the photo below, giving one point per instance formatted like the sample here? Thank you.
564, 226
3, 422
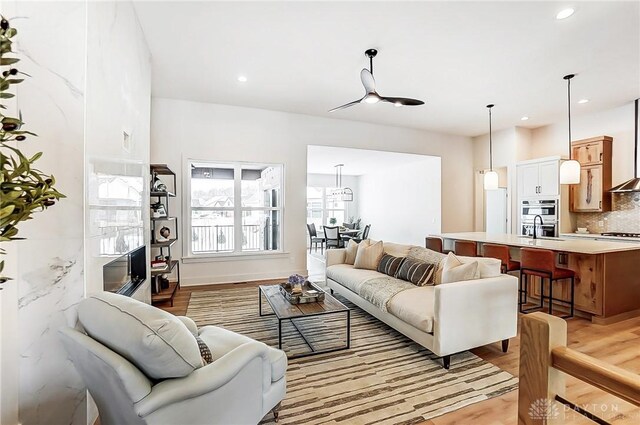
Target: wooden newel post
539, 381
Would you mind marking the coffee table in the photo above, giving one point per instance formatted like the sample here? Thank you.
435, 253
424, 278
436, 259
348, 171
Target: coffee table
284, 310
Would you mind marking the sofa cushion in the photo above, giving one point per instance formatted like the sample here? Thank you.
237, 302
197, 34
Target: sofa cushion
415, 307
429, 256
454, 270
417, 272
350, 277
487, 267
221, 341
389, 264
157, 342
350, 252
396, 249
368, 256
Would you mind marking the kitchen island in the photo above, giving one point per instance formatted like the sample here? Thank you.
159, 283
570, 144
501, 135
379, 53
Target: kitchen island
607, 284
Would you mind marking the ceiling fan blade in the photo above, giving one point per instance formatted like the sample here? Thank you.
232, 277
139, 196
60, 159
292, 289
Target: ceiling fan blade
346, 105
403, 101
367, 81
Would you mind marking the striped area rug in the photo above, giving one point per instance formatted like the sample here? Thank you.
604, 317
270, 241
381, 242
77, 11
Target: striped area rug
384, 378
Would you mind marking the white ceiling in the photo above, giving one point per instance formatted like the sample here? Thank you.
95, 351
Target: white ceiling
305, 57
323, 159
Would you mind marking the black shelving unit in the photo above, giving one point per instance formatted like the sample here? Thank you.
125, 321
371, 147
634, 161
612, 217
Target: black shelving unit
161, 294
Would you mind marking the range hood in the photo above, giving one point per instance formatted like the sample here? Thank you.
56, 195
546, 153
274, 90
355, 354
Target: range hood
632, 185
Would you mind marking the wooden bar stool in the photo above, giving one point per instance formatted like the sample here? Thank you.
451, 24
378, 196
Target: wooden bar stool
542, 263
466, 248
433, 243
501, 252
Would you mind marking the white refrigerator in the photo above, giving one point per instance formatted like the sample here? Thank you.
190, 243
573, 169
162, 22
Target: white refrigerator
495, 214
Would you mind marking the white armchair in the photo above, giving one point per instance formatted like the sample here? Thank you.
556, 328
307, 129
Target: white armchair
245, 381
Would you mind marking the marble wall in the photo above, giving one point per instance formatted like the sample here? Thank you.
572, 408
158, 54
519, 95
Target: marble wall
90, 84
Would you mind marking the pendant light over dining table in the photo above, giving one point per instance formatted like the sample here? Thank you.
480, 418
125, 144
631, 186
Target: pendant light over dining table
490, 177
570, 169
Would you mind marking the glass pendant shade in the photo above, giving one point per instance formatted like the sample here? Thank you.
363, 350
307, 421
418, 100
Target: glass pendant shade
490, 180
570, 172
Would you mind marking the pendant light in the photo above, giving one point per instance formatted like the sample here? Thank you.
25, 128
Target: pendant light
490, 177
341, 193
570, 169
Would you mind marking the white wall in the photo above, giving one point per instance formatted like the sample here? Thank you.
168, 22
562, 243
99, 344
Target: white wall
183, 129
402, 203
90, 74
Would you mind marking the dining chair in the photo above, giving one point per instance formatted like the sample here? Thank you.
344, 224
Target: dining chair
351, 226
365, 234
332, 237
314, 239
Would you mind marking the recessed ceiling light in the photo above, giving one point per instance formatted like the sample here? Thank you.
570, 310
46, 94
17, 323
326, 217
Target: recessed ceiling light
583, 101
565, 13
524, 118
242, 79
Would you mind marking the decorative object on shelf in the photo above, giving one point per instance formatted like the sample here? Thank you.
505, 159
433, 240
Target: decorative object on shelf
632, 185
371, 96
157, 185
159, 210
24, 188
165, 232
570, 169
340, 193
490, 177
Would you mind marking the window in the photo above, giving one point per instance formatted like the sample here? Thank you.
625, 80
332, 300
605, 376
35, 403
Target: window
235, 207
322, 208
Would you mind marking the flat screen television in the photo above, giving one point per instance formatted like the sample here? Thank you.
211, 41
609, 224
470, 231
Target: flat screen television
126, 273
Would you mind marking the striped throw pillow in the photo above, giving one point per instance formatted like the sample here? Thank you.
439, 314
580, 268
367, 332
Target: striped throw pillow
389, 264
416, 272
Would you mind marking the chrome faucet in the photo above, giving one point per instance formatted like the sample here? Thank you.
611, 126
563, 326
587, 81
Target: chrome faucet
535, 235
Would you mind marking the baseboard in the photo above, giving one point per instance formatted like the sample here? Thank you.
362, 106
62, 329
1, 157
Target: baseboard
243, 277
598, 320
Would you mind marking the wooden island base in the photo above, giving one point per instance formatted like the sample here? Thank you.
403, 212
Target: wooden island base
607, 283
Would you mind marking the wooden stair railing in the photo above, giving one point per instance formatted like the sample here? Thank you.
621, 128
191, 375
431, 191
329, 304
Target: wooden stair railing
544, 361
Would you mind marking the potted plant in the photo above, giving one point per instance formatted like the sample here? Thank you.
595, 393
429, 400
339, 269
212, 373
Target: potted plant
333, 221
24, 189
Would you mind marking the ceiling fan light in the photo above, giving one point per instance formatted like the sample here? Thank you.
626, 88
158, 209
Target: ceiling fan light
570, 172
490, 180
372, 98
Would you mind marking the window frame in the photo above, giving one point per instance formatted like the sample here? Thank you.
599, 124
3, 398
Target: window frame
237, 210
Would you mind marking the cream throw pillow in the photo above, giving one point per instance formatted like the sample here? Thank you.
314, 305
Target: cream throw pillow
454, 270
368, 255
350, 252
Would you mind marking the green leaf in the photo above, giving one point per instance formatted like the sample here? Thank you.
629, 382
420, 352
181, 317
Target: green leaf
35, 157
6, 211
6, 95
9, 61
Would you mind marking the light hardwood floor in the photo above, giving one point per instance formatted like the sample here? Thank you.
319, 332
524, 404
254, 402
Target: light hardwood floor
618, 344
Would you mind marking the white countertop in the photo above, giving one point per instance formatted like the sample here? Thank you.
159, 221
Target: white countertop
577, 245
599, 236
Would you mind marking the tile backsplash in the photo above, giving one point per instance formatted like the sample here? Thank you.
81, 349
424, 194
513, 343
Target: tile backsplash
623, 217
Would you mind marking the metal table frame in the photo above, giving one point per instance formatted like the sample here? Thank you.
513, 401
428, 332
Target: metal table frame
304, 316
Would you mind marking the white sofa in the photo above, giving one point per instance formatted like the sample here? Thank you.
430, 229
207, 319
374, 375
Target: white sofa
446, 318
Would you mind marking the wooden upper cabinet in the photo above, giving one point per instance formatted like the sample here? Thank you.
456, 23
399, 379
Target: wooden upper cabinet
588, 153
592, 193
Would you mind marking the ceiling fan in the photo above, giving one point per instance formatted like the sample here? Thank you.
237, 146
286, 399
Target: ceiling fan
371, 96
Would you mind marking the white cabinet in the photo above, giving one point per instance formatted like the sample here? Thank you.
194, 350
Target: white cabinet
539, 179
